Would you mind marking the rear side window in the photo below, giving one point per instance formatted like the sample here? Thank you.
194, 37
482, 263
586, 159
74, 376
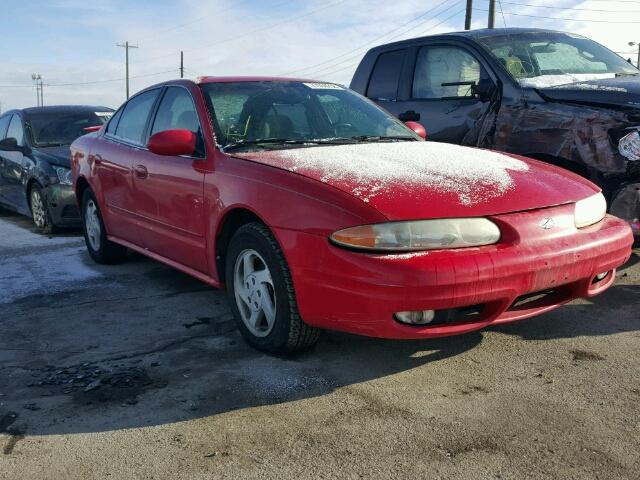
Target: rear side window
135, 115
113, 123
15, 130
4, 123
383, 84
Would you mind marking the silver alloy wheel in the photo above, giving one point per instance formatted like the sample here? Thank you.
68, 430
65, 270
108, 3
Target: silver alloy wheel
254, 292
38, 211
92, 225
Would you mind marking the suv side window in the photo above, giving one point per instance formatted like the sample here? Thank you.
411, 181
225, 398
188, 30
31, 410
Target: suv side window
15, 130
4, 123
383, 84
133, 119
438, 66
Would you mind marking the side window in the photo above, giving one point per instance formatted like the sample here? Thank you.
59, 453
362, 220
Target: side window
176, 110
113, 123
4, 123
134, 116
15, 130
383, 84
436, 67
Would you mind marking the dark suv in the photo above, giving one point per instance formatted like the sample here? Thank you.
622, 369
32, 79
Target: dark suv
35, 179
554, 96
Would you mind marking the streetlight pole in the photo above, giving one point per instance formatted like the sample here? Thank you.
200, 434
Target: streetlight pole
37, 80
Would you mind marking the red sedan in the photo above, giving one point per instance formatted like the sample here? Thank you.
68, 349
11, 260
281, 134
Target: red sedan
317, 209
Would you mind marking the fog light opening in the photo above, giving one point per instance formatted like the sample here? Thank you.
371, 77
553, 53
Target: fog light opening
418, 317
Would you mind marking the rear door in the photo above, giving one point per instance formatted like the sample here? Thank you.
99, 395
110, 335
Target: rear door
169, 189
384, 83
122, 146
13, 169
438, 92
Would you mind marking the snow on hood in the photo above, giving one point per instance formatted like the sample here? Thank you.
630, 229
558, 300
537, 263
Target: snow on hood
373, 168
548, 81
404, 180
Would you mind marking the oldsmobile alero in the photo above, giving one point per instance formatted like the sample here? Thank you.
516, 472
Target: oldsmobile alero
319, 210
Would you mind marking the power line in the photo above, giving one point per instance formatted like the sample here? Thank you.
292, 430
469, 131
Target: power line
561, 18
571, 8
373, 40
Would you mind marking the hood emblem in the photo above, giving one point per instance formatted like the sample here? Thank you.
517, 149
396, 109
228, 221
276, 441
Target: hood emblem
547, 223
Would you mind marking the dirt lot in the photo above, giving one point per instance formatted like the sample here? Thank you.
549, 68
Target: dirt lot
136, 371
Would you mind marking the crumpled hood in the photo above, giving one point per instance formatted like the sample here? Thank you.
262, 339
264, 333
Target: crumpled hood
59, 156
409, 180
623, 91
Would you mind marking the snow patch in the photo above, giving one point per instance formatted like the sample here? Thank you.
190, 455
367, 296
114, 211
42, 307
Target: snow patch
590, 86
473, 175
548, 81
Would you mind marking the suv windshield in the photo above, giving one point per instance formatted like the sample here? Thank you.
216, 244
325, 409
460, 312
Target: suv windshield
548, 59
62, 128
289, 114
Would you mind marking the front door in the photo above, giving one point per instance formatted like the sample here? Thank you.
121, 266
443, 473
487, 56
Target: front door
14, 165
441, 92
169, 189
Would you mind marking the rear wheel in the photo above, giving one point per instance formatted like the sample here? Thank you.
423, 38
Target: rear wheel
100, 249
40, 210
261, 293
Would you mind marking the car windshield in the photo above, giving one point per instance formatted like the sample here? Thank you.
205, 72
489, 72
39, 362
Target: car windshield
291, 114
50, 129
548, 59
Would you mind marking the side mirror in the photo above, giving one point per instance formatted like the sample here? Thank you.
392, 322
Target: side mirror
173, 142
417, 128
10, 144
483, 89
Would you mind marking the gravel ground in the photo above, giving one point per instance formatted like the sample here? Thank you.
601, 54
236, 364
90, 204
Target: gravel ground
136, 372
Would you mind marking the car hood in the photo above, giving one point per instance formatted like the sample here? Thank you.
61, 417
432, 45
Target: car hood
59, 156
409, 180
622, 91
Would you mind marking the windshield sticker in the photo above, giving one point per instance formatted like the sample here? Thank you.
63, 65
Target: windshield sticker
324, 86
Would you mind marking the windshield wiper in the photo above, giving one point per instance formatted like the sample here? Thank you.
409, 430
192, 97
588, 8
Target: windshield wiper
264, 142
51, 144
381, 138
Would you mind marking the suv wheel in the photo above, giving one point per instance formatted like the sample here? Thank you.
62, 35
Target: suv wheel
261, 293
100, 249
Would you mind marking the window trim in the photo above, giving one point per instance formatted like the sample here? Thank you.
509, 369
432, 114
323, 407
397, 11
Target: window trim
483, 69
154, 114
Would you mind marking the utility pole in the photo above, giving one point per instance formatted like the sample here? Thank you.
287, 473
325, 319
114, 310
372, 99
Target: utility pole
37, 80
632, 44
181, 64
492, 13
126, 47
467, 17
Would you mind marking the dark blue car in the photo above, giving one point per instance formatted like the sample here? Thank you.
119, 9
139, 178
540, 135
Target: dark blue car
35, 179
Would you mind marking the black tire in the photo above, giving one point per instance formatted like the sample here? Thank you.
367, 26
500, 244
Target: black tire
289, 333
40, 210
107, 252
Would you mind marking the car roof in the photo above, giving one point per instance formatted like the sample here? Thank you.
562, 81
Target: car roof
471, 34
239, 79
65, 108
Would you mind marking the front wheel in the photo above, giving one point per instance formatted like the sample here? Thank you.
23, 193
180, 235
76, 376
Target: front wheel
261, 293
40, 210
95, 236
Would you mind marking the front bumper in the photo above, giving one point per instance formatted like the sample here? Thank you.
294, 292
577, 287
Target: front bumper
63, 207
359, 292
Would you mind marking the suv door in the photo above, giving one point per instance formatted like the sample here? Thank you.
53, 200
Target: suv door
169, 189
121, 147
442, 91
385, 79
14, 169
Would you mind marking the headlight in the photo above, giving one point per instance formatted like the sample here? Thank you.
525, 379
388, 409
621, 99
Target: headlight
590, 210
419, 235
64, 176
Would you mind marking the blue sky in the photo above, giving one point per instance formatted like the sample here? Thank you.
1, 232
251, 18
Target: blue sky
74, 41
